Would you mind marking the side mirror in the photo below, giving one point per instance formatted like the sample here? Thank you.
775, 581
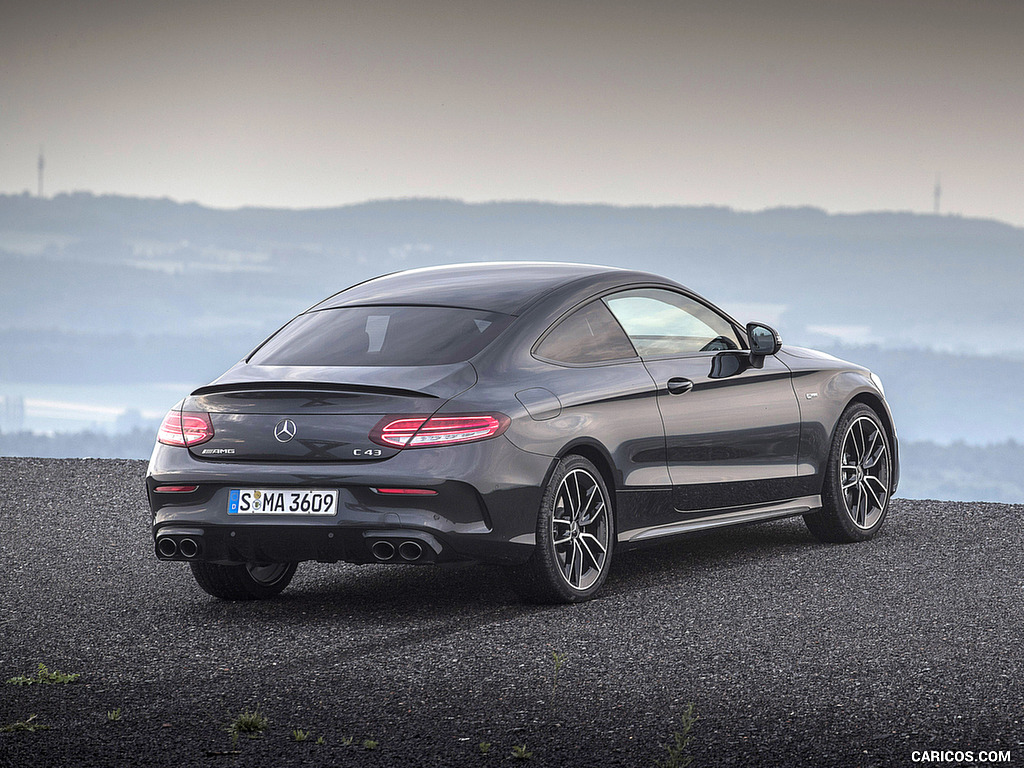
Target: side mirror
764, 340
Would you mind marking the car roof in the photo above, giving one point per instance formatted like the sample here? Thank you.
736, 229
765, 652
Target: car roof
506, 287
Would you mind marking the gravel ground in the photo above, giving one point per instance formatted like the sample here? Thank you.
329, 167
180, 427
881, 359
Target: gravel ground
794, 653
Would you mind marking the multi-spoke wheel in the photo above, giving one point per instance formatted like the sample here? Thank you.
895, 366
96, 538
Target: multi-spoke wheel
574, 536
579, 529
855, 496
864, 470
243, 581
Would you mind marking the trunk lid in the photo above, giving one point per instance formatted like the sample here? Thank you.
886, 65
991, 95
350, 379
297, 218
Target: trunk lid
277, 413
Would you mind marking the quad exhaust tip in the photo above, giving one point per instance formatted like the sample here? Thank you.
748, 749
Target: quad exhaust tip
170, 546
167, 546
410, 550
383, 550
188, 548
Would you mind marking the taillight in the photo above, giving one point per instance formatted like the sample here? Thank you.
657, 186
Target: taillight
184, 429
427, 432
402, 491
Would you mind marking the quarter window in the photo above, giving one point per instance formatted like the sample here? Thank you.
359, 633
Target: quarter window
660, 323
588, 335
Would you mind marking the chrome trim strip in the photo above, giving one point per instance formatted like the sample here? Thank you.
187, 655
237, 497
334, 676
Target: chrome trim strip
735, 517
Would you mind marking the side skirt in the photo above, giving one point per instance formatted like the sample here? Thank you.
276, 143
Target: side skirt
718, 518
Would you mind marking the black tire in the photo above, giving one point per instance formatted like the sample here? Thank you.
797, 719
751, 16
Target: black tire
858, 480
576, 522
244, 581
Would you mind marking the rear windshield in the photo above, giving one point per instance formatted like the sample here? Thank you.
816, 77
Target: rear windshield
382, 336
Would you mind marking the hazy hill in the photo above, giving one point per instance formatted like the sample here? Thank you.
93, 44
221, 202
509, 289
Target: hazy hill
129, 264
110, 290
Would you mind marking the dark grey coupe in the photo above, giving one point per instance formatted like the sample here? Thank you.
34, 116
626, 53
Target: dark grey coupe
542, 416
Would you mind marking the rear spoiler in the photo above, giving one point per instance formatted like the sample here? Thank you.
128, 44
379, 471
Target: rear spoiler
309, 386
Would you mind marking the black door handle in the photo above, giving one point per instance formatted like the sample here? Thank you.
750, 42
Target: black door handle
679, 386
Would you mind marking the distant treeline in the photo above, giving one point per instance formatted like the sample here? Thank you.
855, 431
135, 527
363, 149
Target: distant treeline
957, 472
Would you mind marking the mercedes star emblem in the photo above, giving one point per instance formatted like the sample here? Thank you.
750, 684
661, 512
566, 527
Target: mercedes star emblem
285, 430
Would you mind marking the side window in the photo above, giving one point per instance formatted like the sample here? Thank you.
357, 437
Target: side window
588, 335
661, 322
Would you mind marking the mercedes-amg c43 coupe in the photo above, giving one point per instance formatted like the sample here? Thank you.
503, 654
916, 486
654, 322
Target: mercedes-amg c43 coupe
541, 416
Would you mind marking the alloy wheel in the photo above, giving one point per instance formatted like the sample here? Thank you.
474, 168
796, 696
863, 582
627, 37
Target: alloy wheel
580, 529
864, 472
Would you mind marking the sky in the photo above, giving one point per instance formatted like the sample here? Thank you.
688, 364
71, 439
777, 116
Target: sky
847, 106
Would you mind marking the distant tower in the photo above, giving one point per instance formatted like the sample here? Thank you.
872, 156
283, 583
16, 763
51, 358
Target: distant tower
938, 193
42, 163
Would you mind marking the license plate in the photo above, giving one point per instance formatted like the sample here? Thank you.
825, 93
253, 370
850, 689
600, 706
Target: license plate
277, 501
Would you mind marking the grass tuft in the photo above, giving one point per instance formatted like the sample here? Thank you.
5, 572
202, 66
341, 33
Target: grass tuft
678, 751
28, 724
559, 662
252, 724
44, 676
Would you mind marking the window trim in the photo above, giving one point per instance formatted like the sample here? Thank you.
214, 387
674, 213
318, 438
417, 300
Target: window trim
597, 363
740, 330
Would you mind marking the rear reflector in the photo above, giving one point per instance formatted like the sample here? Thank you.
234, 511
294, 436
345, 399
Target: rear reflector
176, 488
405, 491
184, 429
427, 432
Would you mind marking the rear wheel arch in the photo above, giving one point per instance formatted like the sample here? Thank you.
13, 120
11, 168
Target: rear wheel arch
596, 455
575, 534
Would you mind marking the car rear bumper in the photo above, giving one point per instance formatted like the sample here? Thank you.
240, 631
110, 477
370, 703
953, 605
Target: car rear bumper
326, 544
484, 507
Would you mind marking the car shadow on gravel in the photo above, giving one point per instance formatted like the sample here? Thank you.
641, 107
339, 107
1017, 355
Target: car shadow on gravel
416, 594
706, 553
412, 603
373, 595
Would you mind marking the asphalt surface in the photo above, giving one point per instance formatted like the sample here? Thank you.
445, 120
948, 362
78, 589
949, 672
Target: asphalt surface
794, 653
